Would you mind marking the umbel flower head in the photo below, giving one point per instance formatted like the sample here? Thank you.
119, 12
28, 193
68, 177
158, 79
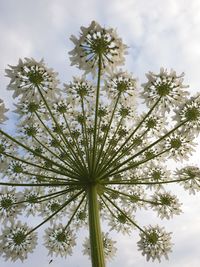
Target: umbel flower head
155, 244
59, 240
3, 110
15, 243
82, 153
28, 75
95, 41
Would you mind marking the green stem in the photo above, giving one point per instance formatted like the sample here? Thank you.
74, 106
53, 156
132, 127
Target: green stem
56, 156
130, 147
131, 135
74, 141
133, 166
108, 208
96, 242
44, 197
132, 197
74, 213
145, 149
40, 166
128, 182
107, 132
127, 150
53, 196
34, 153
54, 213
62, 136
122, 212
50, 133
98, 133
48, 178
96, 113
110, 147
85, 135
61, 148
40, 184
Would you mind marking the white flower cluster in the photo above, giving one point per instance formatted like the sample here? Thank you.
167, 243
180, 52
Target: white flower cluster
190, 178
3, 110
53, 205
15, 243
181, 145
123, 84
59, 241
155, 173
94, 41
120, 223
108, 245
30, 196
9, 211
6, 146
167, 205
79, 89
166, 86
190, 112
155, 242
28, 76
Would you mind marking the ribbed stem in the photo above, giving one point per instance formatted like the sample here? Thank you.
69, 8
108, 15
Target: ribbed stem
96, 242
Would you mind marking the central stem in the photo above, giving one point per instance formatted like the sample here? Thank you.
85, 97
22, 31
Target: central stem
96, 242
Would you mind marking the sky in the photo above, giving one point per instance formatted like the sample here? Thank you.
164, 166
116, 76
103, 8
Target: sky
159, 34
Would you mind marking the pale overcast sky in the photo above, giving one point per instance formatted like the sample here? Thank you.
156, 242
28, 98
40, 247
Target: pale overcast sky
158, 33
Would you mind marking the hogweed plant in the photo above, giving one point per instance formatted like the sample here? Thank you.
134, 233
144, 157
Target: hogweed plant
83, 153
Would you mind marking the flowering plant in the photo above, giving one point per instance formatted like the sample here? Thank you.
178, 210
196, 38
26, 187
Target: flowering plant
83, 152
